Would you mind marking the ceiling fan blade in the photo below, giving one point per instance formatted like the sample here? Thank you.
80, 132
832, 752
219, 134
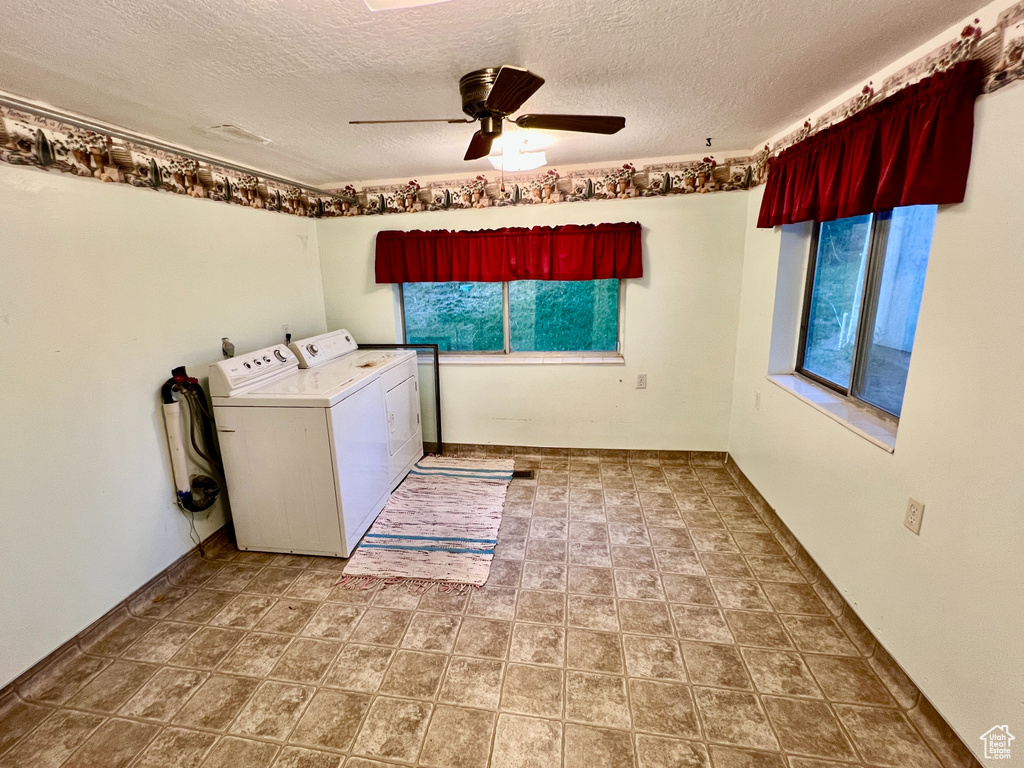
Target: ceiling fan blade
480, 146
512, 87
428, 120
581, 123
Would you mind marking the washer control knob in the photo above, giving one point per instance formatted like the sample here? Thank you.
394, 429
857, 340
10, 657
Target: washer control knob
266, 359
280, 355
313, 349
257, 361
247, 366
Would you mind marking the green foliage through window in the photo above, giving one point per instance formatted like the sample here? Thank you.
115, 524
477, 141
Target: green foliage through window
543, 316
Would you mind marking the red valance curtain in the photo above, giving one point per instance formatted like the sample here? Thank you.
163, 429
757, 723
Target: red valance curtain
913, 148
571, 252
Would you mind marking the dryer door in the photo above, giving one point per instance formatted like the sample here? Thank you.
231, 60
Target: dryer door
402, 403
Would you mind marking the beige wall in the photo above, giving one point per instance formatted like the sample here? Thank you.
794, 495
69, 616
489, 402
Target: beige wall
680, 329
103, 289
947, 604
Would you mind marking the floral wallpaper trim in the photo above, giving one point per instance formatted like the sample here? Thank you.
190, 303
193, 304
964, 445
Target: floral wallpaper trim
44, 142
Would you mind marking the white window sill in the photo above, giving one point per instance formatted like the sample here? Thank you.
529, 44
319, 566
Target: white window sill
535, 358
869, 425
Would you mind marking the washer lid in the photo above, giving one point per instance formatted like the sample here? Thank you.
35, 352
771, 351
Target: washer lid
320, 387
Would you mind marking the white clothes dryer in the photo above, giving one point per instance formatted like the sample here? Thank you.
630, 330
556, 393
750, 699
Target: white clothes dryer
306, 456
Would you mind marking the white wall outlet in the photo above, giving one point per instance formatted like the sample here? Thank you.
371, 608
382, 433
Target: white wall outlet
915, 511
757, 400
641, 381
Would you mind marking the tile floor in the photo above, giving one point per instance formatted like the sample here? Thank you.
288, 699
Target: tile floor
638, 613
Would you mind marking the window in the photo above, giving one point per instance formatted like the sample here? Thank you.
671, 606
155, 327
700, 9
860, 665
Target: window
518, 316
864, 285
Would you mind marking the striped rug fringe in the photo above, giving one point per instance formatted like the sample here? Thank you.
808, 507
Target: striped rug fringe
438, 529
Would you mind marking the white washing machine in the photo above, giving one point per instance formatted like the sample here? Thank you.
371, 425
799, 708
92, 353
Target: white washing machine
400, 385
306, 451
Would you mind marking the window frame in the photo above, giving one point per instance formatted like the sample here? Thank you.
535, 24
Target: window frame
878, 243
508, 354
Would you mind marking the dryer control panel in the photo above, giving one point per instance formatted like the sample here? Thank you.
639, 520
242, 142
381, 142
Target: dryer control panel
238, 374
317, 350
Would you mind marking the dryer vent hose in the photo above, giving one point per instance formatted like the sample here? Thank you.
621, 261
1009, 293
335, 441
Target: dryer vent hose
198, 492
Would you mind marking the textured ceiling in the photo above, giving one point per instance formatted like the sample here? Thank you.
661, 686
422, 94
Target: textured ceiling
295, 71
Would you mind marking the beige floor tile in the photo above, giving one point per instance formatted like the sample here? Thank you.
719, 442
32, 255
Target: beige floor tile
164, 694
734, 718
484, 637
633, 558
115, 640
244, 611
234, 577
393, 729
546, 550
684, 561
763, 630
655, 657
706, 624
663, 708
526, 742
288, 616
638, 585
628, 534
739, 594
644, 617
541, 607
432, 632
731, 757
885, 737
312, 585
217, 702
587, 747
594, 554
161, 642
233, 752
201, 606
727, 564
113, 686
795, 598
64, 677
414, 674
445, 602
591, 581
472, 682
849, 680
273, 581
458, 738
593, 613
331, 720
359, 668
207, 648
691, 589
306, 660
807, 728
17, 718
530, 690
493, 603
594, 651
51, 743
272, 711
709, 540
378, 626
596, 699
546, 576
816, 634
255, 655
770, 568
300, 757
716, 665
661, 752
547, 528
780, 672
113, 745
504, 573
176, 748
538, 644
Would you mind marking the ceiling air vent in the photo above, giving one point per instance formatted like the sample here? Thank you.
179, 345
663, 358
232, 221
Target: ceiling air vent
234, 133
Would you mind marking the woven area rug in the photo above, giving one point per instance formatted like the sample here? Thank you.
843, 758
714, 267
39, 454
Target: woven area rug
439, 527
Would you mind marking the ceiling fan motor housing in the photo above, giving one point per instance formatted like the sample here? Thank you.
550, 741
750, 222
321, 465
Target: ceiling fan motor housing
475, 88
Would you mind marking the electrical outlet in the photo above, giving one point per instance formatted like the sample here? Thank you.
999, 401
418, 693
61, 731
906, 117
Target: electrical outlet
641, 381
757, 400
915, 511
